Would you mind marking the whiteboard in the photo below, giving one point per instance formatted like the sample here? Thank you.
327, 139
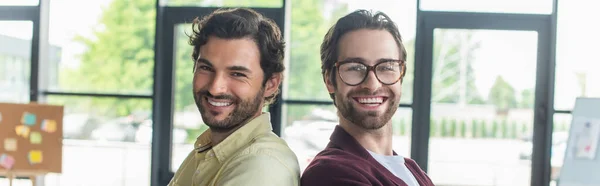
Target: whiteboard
581, 165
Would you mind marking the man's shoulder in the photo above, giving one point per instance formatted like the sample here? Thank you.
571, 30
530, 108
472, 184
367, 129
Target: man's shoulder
337, 159
269, 144
268, 149
336, 167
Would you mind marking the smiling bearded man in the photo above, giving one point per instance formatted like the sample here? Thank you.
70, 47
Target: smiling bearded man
238, 66
363, 65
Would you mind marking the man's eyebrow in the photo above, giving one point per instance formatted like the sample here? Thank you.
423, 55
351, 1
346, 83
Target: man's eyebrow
354, 59
239, 68
362, 60
205, 61
387, 60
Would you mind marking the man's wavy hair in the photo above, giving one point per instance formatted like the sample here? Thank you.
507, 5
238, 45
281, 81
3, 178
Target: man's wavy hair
237, 23
359, 19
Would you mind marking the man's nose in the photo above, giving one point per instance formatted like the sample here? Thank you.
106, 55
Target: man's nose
371, 82
218, 85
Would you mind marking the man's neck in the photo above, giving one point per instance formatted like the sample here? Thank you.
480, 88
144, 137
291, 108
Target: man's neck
375, 140
217, 136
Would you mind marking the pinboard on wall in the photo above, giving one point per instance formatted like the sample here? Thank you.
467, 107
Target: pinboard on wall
30, 138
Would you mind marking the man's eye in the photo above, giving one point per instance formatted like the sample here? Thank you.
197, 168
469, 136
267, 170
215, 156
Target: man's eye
204, 68
387, 68
237, 74
356, 68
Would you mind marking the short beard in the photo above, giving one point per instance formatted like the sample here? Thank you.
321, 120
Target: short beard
242, 113
370, 120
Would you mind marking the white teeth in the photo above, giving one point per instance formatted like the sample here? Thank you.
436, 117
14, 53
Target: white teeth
219, 104
370, 100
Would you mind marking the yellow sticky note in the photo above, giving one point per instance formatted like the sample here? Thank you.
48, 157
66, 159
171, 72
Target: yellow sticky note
10, 144
35, 157
35, 138
22, 130
49, 125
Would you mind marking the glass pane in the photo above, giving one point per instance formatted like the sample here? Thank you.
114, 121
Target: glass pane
576, 63
187, 121
109, 50
402, 127
19, 2
97, 130
482, 106
560, 136
307, 129
309, 24
227, 3
497, 6
15, 60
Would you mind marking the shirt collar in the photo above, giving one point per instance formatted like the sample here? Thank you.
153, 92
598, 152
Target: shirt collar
237, 139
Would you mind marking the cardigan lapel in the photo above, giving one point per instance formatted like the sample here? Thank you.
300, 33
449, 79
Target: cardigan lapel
343, 140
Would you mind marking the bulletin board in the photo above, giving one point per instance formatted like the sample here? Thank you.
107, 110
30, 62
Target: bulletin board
581, 165
30, 138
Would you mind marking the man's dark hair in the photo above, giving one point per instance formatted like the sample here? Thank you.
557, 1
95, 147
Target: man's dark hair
359, 19
237, 23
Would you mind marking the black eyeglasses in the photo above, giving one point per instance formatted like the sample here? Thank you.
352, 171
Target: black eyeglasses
354, 73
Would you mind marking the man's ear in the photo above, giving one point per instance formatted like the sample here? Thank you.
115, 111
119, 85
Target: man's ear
328, 83
272, 84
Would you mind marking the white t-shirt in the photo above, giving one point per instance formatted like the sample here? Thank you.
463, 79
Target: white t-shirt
395, 164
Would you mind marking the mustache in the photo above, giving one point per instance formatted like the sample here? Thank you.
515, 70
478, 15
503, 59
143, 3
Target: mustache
209, 95
367, 92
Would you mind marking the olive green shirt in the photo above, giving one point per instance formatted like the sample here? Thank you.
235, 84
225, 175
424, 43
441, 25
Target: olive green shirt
252, 155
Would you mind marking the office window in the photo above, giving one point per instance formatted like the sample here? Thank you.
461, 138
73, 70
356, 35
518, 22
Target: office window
577, 61
310, 20
227, 3
498, 6
108, 47
104, 137
307, 129
187, 121
481, 106
15, 60
19, 2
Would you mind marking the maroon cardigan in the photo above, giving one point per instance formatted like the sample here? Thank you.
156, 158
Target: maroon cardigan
345, 162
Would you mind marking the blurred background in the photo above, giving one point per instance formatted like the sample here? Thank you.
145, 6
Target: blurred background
477, 70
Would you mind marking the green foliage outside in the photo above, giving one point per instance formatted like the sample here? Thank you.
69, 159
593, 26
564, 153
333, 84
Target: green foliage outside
504, 129
463, 129
513, 130
444, 128
502, 95
120, 56
452, 129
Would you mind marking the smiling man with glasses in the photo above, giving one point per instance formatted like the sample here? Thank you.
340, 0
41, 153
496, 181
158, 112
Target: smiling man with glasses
363, 65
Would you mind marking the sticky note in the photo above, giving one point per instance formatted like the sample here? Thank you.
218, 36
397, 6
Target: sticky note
10, 144
28, 119
22, 131
35, 157
35, 138
7, 161
49, 125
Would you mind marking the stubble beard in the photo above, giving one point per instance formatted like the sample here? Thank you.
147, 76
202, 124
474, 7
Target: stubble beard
370, 120
244, 110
